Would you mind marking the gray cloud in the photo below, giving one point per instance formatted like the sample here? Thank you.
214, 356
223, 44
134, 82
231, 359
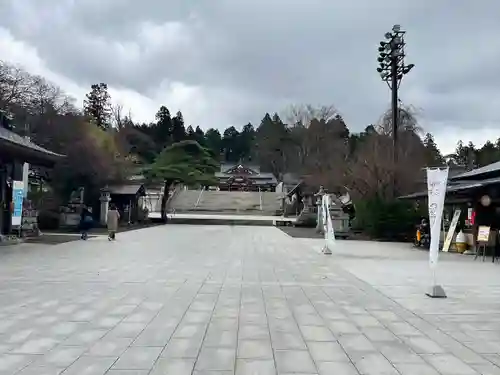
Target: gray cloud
255, 56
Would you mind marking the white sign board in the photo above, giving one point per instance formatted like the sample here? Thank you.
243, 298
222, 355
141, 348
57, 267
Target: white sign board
451, 230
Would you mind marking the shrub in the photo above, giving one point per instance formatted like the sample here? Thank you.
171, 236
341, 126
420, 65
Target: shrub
48, 220
387, 220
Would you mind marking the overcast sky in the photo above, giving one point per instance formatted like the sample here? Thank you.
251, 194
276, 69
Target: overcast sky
227, 62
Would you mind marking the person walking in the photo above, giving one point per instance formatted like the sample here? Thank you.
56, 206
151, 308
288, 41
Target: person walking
86, 221
112, 221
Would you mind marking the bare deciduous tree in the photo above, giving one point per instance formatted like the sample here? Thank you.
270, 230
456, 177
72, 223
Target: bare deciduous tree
408, 121
303, 114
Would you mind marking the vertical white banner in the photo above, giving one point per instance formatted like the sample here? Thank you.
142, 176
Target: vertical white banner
327, 223
437, 180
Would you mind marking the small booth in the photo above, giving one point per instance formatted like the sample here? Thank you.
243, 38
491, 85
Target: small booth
126, 198
473, 198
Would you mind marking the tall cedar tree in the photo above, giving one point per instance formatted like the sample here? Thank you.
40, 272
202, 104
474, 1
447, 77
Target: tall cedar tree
97, 106
178, 129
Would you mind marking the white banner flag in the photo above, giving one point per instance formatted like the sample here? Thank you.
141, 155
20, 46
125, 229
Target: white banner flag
437, 180
327, 223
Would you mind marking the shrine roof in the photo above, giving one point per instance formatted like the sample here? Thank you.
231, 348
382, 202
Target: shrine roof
11, 137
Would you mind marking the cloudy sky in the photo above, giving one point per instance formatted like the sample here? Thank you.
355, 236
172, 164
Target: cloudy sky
227, 62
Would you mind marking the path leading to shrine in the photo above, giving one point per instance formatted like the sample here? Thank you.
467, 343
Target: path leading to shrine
242, 300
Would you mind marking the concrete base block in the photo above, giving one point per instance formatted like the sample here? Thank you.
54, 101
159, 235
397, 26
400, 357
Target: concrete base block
436, 291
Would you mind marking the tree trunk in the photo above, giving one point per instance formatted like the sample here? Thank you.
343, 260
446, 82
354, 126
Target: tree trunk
164, 200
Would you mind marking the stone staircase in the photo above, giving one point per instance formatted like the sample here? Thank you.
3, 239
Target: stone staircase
234, 202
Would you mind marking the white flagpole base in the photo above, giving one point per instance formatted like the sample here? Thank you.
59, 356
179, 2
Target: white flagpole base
436, 291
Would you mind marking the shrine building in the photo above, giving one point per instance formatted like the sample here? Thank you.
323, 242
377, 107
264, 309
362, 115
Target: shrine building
244, 178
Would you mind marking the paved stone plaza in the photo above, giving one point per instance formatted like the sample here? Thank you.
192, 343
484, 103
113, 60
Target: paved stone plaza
242, 300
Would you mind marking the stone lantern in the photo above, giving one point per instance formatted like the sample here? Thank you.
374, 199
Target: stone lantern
105, 198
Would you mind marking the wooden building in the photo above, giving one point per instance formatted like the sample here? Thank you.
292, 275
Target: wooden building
245, 177
477, 194
15, 151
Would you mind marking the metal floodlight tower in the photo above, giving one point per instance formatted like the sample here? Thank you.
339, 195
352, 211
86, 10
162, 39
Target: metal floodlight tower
392, 69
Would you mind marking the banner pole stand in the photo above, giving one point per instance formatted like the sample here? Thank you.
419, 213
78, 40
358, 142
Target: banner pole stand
436, 291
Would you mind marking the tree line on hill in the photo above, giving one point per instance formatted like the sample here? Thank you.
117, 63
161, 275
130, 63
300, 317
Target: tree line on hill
103, 144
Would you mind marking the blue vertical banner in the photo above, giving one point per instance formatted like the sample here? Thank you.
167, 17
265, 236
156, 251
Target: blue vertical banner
17, 200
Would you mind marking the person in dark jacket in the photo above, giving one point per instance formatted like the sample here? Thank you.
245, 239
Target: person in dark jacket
86, 222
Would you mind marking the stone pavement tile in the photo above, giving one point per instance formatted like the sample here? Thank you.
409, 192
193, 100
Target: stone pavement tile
309, 319
123, 310
127, 372
36, 345
398, 352
140, 316
327, 352
106, 322
216, 359
379, 334
35, 369
374, 364
287, 324
365, 320
255, 366
254, 349
84, 338
316, 333
467, 355
332, 314
138, 358
224, 323
190, 331
403, 329
154, 336
127, 330
294, 361
218, 338
197, 317
415, 369
484, 347
337, 368
64, 329
168, 366
423, 345
225, 312
253, 332
62, 356
253, 318
447, 364
90, 365
386, 315
202, 372
6, 348
287, 341
342, 327
17, 337
10, 363
83, 315
487, 369
493, 358
356, 342
109, 347
182, 348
